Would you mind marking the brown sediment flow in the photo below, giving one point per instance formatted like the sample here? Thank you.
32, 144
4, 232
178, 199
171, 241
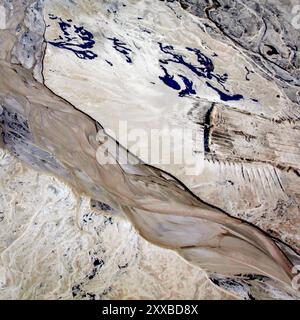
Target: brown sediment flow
62, 140
232, 246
